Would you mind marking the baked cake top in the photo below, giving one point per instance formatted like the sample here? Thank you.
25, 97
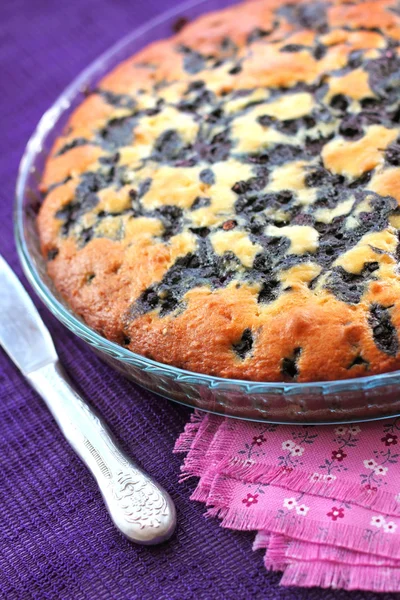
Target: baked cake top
227, 200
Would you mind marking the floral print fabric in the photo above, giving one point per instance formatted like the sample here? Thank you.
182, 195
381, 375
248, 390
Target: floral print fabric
324, 500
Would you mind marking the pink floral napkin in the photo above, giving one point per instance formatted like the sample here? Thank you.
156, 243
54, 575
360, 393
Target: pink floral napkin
325, 501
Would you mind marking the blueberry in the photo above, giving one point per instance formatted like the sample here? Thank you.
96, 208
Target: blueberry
168, 146
244, 346
144, 187
200, 231
266, 120
358, 360
351, 128
340, 102
392, 154
292, 48
319, 51
52, 253
207, 176
289, 367
235, 70
73, 144
200, 202
193, 62
240, 187
269, 291
118, 132
384, 332
257, 34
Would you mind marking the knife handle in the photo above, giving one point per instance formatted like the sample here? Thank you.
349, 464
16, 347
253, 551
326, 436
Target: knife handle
140, 508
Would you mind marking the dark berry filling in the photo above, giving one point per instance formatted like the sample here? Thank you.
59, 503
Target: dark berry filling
383, 331
290, 368
207, 176
245, 345
73, 144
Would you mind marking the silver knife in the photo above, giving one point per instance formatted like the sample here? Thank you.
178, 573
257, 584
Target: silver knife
140, 508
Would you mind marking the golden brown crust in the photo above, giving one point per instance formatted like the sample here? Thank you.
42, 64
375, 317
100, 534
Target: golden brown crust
227, 201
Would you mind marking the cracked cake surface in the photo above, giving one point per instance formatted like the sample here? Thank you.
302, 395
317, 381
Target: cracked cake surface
227, 200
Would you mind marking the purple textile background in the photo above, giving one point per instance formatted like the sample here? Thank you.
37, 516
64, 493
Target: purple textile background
56, 540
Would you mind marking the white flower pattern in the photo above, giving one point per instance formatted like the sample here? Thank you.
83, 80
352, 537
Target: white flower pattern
389, 527
340, 430
332, 462
302, 509
289, 503
370, 464
297, 451
377, 521
354, 429
288, 445
381, 471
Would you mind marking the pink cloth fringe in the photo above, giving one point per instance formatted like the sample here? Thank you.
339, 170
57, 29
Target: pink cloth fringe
324, 501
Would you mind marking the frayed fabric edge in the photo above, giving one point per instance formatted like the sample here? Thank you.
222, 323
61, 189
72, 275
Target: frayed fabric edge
185, 441
339, 576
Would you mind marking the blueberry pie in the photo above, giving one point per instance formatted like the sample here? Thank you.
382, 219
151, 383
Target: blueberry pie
227, 200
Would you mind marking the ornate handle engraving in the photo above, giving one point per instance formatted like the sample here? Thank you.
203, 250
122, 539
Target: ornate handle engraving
139, 507
142, 503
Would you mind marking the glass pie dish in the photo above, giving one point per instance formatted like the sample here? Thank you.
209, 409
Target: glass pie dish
365, 398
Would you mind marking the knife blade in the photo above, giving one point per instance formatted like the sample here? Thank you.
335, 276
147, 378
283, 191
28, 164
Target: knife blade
23, 334
139, 507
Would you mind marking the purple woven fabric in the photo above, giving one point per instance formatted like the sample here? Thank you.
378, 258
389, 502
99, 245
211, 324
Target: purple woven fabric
56, 540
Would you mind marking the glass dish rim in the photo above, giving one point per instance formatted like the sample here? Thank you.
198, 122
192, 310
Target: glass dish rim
72, 322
